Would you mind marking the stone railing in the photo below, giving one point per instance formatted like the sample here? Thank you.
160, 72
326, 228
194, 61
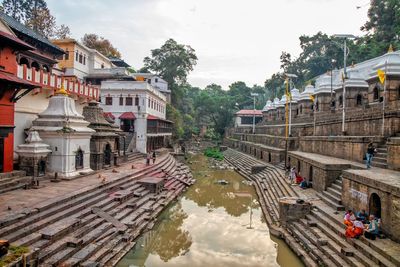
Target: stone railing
53, 82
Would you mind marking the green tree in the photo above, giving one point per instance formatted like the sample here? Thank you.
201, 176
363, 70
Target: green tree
15, 9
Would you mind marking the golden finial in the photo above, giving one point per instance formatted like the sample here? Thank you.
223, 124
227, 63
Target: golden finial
352, 64
390, 50
62, 90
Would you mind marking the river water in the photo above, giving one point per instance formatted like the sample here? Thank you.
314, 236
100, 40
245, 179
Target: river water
210, 226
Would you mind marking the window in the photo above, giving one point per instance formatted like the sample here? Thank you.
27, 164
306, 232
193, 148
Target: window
80, 58
340, 100
376, 93
102, 65
301, 109
149, 81
128, 101
66, 56
100, 99
76, 55
136, 101
359, 100
84, 60
156, 80
149, 102
108, 101
121, 101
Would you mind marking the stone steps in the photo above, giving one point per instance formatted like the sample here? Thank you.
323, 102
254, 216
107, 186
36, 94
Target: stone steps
67, 232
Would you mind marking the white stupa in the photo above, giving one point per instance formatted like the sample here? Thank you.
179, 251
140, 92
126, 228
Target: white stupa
66, 131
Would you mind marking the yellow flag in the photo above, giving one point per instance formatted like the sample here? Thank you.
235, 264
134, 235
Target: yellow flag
289, 96
312, 98
381, 75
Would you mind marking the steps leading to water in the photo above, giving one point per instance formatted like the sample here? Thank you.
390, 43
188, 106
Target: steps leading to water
320, 234
66, 231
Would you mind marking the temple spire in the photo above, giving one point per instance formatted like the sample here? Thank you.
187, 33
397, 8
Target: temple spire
390, 50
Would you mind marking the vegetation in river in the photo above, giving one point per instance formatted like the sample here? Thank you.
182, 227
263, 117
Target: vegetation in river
213, 152
14, 253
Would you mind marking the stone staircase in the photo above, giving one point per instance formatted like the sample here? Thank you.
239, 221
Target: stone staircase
333, 195
380, 158
97, 225
13, 180
318, 239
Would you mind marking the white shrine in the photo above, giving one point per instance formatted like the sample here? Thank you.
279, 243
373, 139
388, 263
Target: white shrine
66, 131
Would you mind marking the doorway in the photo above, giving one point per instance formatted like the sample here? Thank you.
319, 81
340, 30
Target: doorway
375, 205
79, 159
107, 155
41, 167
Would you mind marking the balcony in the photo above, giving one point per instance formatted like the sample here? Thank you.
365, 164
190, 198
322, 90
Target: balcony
53, 82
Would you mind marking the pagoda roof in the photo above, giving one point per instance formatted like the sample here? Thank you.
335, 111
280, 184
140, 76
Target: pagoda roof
18, 27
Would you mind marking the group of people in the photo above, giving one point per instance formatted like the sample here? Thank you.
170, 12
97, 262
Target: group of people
295, 177
360, 224
150, 156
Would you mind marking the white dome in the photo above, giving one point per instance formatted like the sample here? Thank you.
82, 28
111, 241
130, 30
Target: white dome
283, 100
308, 91
267, 106
355, 79
295, 94
276, 103
391, 62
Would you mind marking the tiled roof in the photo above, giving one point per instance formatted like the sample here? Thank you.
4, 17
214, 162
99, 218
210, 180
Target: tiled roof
119, 62
19, 27
6, 37
249, 112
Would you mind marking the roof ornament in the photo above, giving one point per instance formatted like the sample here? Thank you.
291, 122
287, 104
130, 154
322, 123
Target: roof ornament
62, 90
390, 50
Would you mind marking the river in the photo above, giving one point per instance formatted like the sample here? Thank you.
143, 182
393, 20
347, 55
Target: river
210, 226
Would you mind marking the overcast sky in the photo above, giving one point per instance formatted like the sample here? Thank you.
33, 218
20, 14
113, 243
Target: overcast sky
234, 39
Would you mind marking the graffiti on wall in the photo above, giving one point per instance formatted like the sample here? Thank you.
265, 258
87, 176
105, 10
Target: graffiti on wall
362, 197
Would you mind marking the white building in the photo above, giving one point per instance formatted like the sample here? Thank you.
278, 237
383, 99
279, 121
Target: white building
140, 109
156, 81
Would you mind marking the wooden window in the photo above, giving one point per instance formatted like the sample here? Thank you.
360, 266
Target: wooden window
376, 93
128, 101
76, 56
80, 58
121, 101
108, 101
149, 103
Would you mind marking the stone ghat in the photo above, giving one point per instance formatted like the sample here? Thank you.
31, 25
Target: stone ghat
97, 226
318, 238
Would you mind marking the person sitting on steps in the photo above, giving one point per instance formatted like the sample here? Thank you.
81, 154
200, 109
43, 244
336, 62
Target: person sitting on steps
363, 215
372, 229
349, 218
356, 230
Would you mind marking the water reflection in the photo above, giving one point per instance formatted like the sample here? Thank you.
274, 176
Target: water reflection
208, 226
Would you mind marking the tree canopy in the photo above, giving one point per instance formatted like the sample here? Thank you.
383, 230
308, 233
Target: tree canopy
36, 15
101, 44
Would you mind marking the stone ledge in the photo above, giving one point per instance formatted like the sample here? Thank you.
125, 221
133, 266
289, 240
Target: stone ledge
381, 179
325, 162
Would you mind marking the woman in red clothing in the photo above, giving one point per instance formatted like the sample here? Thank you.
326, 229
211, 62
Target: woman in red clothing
356, 230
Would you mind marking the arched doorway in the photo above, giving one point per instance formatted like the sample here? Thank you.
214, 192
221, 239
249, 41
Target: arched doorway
261, 154
41, 167
311, 174
79, 159
107, 155
269, 157
375, 205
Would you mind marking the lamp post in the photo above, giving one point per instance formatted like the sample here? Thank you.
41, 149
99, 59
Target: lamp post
254, 95
345, 53
288, 113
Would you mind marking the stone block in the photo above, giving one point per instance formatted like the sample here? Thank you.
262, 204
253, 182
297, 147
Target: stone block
322, 242
347, 251
257, 168
293, 209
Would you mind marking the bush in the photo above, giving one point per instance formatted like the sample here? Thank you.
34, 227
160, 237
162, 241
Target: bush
213, 152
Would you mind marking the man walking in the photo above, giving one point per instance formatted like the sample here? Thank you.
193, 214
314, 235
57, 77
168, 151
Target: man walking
370, 154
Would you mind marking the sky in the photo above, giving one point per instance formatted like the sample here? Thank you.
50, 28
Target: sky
234, 40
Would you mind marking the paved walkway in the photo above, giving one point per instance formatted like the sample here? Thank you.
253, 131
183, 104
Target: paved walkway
21, 199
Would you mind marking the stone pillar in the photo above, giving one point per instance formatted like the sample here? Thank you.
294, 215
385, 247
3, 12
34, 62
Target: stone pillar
293, 209
393, 152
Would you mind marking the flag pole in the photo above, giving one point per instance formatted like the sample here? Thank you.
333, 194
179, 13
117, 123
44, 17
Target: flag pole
286, 121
